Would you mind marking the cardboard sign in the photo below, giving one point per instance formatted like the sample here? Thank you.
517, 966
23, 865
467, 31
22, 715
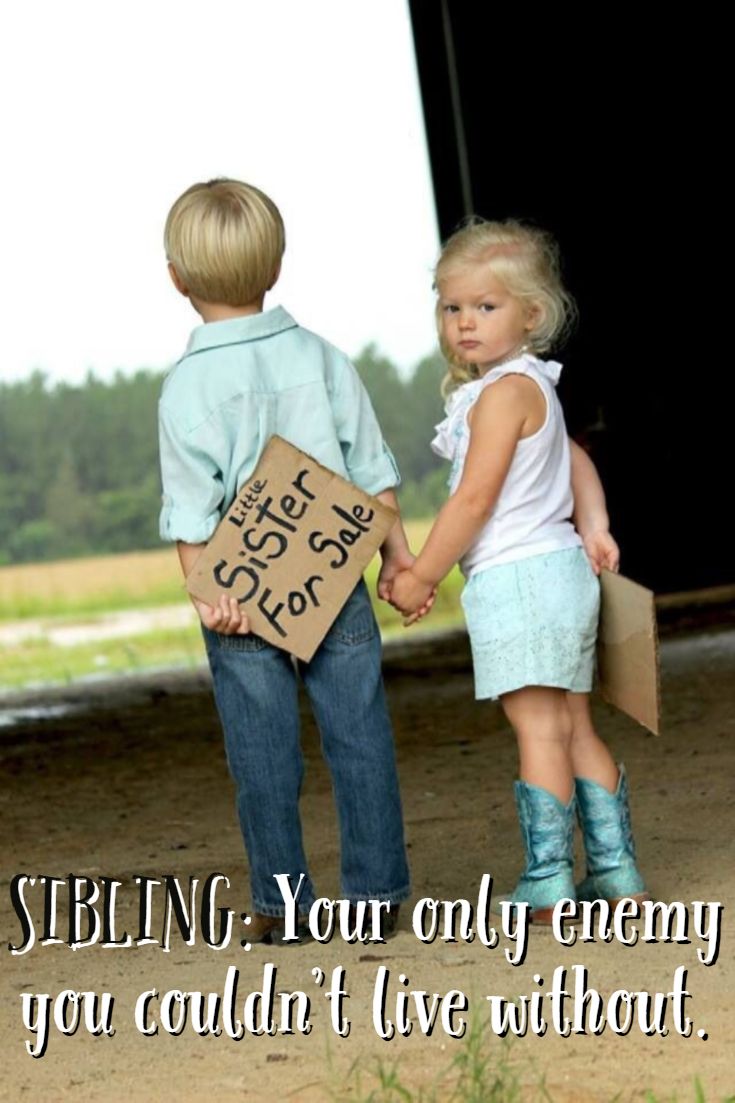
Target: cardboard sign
627, 649
291, 548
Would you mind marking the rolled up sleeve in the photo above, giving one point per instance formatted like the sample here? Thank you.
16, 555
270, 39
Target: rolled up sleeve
192, 483
368, 459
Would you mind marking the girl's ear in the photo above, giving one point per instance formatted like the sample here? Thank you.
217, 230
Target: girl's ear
177, 281
534, 316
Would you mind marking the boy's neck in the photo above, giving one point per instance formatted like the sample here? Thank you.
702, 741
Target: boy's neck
222, 312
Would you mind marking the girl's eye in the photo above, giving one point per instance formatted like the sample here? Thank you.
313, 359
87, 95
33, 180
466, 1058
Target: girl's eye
486, 307
450, 308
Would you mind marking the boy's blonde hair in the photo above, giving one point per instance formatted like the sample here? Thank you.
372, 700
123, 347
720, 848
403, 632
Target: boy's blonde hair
225, 240
525, 260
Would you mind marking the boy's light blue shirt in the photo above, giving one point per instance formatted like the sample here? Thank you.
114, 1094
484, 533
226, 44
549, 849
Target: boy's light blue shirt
239, 382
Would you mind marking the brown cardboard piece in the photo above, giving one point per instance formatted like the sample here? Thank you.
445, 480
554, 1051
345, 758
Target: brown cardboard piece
627, 649
291, 548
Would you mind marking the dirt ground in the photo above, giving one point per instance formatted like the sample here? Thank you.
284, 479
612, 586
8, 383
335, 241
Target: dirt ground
135, 783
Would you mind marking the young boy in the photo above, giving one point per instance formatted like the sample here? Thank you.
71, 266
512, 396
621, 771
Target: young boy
246, 374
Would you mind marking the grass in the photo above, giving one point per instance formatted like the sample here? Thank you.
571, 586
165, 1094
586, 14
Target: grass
476, 1075
101, 584
38, 662
699, 1096
485, 1070
70, 591
135, 580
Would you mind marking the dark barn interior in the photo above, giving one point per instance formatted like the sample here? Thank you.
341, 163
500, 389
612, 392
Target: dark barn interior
586, 126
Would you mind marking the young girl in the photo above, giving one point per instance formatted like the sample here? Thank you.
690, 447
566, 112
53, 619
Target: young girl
531, 600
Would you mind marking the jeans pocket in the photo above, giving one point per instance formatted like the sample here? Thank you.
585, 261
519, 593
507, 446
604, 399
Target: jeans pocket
356, 621
250, 642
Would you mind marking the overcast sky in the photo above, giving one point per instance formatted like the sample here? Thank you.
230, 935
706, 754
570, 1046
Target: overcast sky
112, 110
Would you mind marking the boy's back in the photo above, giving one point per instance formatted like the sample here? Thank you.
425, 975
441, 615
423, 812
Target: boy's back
246, 375
240, 381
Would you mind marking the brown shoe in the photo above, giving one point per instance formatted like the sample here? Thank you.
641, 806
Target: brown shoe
271, 929
388, 923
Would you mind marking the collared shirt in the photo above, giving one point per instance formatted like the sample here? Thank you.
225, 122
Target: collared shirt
239, 382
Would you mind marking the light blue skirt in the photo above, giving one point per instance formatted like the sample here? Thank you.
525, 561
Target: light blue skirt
533, 622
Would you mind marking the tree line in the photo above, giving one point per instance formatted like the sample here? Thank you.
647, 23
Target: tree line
79, 468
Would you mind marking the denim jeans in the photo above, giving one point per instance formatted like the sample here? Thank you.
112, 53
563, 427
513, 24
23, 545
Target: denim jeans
256, 691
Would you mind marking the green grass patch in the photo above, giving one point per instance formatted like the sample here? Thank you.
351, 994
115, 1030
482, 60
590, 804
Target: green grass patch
698, 1097
31, 606
135, 580
37, 661
484, 1070
91, 586
87, 589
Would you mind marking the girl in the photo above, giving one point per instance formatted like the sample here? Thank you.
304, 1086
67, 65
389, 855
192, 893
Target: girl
531, 599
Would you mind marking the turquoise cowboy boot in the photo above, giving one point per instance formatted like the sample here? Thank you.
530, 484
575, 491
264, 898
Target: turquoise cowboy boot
604, 817
547, 831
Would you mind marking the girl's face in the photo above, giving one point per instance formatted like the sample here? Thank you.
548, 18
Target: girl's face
481, 322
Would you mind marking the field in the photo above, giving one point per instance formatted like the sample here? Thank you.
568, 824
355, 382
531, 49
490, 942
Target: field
66, 620
74, 587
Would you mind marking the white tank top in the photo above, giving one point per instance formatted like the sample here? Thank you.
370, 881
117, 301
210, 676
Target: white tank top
533, 512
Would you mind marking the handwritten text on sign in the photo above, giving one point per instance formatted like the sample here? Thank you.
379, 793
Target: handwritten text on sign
291, 548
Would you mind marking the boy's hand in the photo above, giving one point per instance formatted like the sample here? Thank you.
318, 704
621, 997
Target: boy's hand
602, 550
410, 595
227, 617
392, 566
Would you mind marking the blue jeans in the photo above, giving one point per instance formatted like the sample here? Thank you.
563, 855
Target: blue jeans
256, 691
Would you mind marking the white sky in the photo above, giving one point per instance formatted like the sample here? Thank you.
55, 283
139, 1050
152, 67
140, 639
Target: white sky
110, 111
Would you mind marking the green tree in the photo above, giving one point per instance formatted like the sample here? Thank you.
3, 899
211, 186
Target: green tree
79, 463
387, 394
67, 509
407, 410
425, 408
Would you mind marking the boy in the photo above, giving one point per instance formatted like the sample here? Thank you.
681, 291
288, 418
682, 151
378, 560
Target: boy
245, 375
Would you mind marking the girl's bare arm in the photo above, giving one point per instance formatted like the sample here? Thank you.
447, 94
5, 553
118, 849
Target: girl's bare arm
590, 512
500, 418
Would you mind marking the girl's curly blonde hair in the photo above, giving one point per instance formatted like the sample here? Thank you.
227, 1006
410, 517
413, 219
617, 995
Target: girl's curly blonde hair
525, 260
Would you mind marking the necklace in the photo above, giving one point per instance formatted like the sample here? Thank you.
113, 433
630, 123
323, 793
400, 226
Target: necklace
511, 356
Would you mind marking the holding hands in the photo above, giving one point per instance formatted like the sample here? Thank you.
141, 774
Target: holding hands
411, 596
395, 581
398, 561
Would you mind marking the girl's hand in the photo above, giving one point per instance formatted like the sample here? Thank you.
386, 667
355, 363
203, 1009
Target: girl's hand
392, 565
422, 612
602, 550
410, 595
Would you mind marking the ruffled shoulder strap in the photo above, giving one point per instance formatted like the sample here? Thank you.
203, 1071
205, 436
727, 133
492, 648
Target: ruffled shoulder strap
449, 430
527, 364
